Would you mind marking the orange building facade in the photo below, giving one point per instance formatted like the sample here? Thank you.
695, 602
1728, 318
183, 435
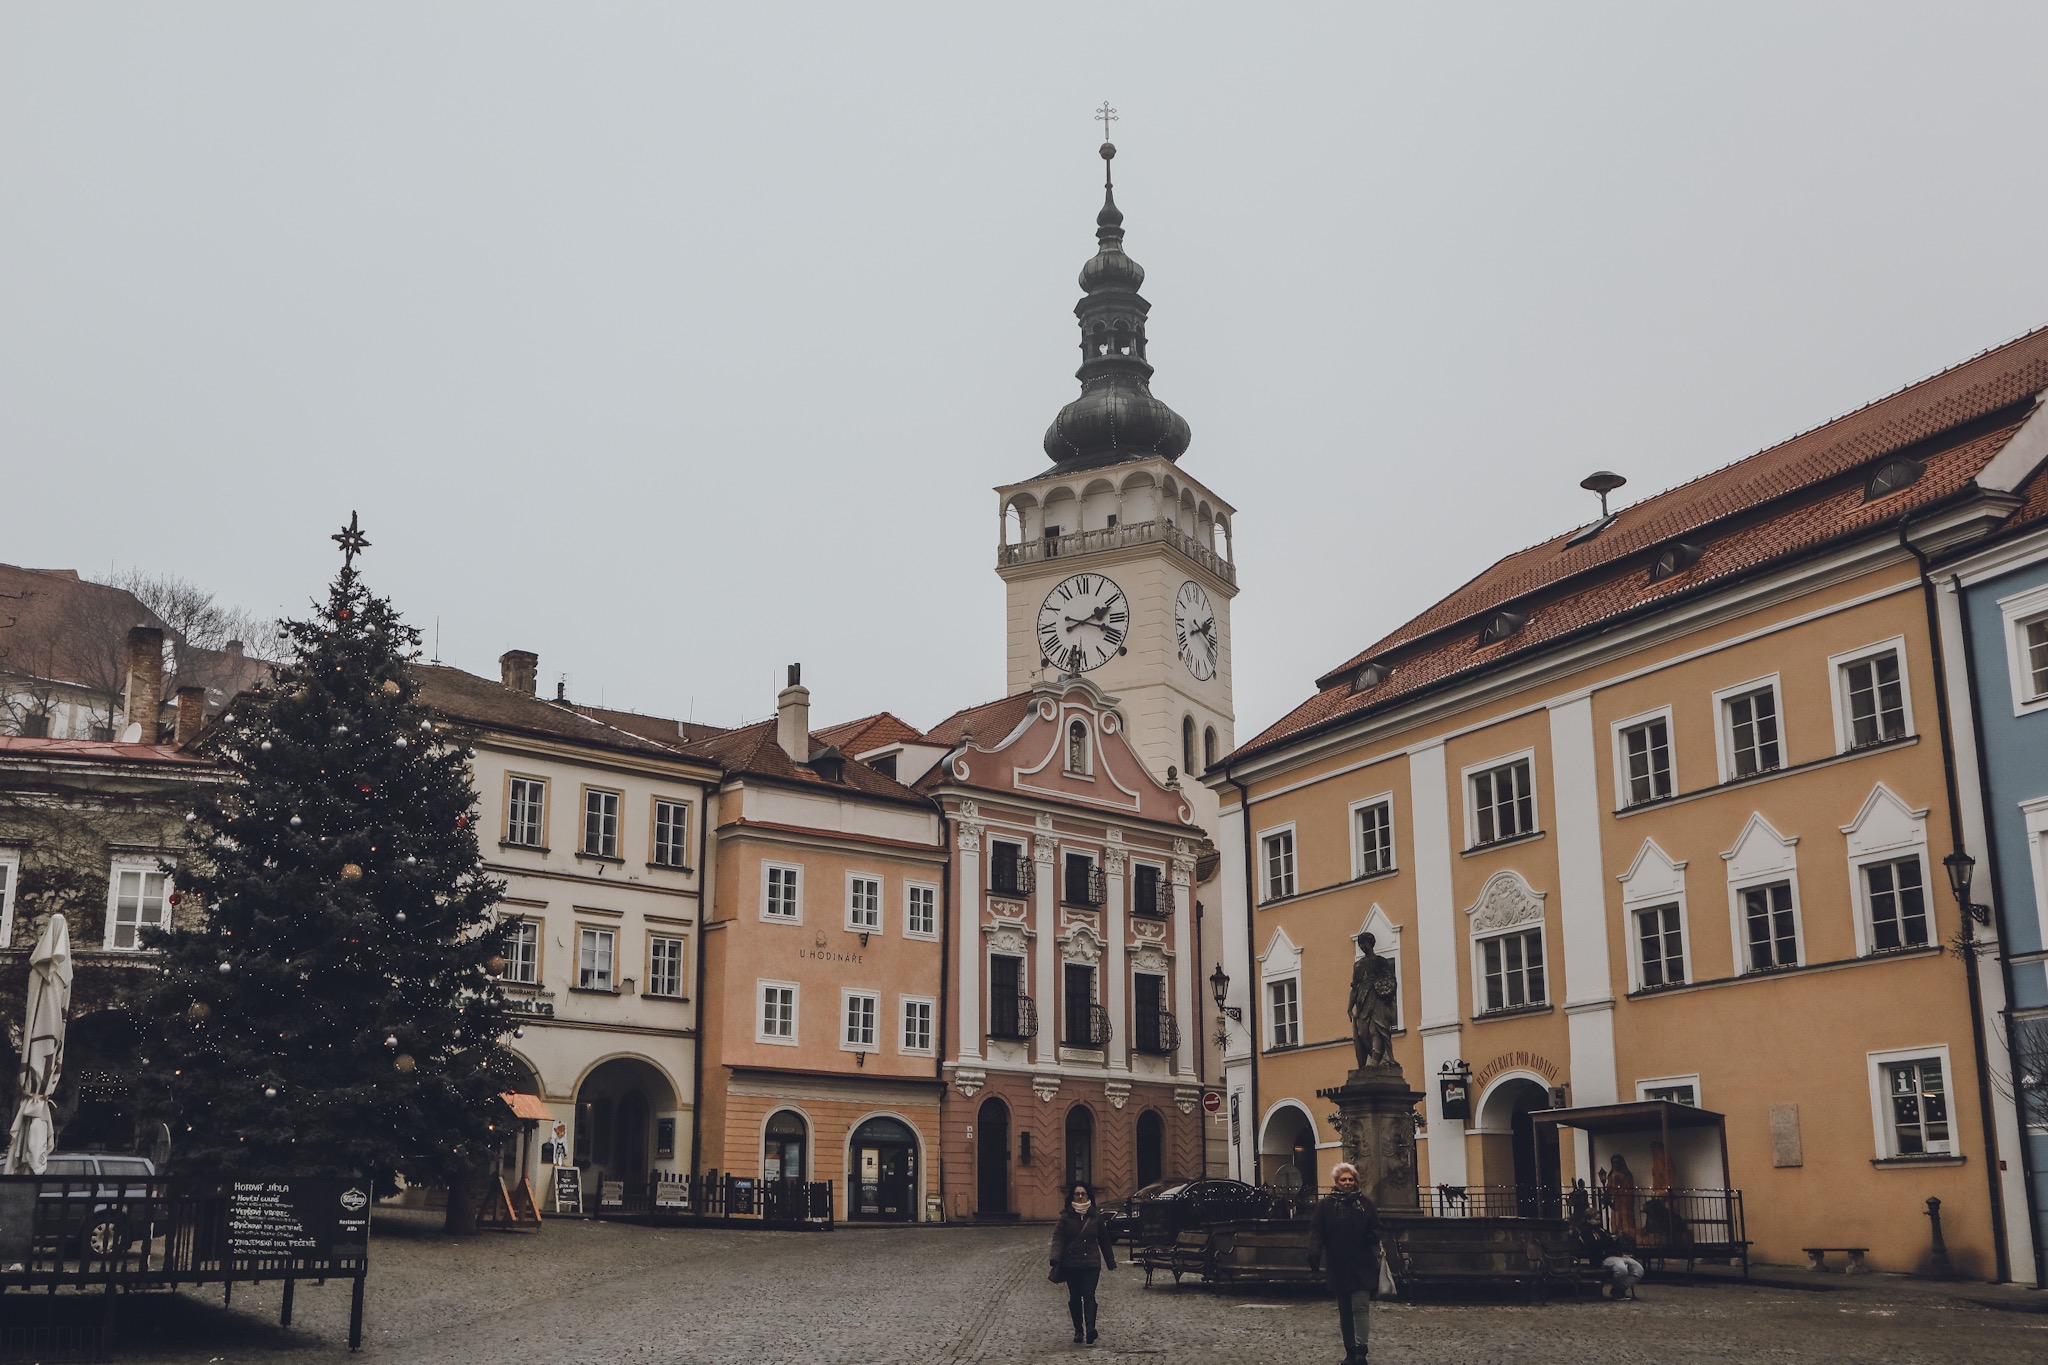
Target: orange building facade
1658, 810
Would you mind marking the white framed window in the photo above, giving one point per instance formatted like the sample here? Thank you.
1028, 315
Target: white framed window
1909, 1090
671, 843
920, 911
1660, 945
775, 1020
782, 892
1276, 863
1747, 731
917, 1023
665, 966
10, 881
1763, 899
1511, 972
1500, 799
2026, 648
1872, 702
522, 952
601, 822
1770, 926
863, 902
138, 898
526, 811
1643, 768
1372, 836
1283, 1005
1895, 903
861, 1011
1673, 1089
596, 959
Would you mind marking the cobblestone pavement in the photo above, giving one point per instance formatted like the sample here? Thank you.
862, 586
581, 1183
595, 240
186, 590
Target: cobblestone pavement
587, 1292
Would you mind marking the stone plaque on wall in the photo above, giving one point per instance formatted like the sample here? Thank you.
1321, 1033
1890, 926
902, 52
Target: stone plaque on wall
1785, 1136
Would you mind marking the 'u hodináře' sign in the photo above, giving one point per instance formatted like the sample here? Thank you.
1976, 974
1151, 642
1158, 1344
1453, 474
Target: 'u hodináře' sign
301, 1218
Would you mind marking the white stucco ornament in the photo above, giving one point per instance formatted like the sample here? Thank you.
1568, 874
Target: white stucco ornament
1505, 902
1045, 1087
968, 1083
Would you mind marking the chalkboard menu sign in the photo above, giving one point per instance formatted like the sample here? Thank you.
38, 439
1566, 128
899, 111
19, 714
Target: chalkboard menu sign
299, 1218
568, 1190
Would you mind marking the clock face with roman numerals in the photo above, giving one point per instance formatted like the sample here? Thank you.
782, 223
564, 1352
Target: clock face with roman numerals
1083, 623
1194, 628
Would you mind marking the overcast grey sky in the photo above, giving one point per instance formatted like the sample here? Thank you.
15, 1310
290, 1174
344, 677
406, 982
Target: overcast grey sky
676, 342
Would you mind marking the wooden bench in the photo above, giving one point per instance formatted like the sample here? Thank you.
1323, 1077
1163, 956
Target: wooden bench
1187, 1254
1817, 1259
1272, 1254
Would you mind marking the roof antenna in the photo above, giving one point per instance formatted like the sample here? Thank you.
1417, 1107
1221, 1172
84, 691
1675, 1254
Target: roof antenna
1602, 482
437, 641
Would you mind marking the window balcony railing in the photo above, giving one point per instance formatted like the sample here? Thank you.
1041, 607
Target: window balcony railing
1087, 1026
1149, 898
1158, 1033
1090, 890
1014, 1017
1012, 877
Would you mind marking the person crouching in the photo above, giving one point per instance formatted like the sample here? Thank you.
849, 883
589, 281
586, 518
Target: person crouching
1344, 1243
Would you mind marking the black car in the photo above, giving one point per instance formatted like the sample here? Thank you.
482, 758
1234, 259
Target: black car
1159, 1213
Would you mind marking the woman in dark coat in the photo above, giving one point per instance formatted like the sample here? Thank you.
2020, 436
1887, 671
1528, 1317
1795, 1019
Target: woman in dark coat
1344, 1243
1082, 1244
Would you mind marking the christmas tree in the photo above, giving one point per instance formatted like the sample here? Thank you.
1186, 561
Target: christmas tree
336, 1012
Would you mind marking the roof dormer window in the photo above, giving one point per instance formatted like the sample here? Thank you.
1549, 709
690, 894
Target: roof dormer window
1674, 558
1501, 625
1369, 677
1891, 476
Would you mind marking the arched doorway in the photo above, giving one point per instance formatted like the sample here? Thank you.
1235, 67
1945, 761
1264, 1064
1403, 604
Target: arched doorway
1515, 1154
615, 1113
783, 1146
992, 1160
1289, 1144
883, 1187
1151, 1149
1080, 1167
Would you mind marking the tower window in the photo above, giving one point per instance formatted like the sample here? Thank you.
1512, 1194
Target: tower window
1187, 744
1208, 748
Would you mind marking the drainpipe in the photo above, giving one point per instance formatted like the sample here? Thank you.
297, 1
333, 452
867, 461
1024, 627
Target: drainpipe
1985, 1115
2028, 1175
703, 919
1251, 1027
944, 1006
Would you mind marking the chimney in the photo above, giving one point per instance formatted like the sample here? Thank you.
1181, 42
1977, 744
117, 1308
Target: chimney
519, 669
143, 696
793, 717
191, 715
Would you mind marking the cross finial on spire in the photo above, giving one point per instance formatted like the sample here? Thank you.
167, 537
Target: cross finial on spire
1108, 116
352, 542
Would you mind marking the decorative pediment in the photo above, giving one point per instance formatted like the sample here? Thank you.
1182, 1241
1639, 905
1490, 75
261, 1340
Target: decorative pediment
1149, 957
1083, 946
1885, 823
1653, 876
1505, 902
1760, 851
1385, 933
1007, 938
1281, 956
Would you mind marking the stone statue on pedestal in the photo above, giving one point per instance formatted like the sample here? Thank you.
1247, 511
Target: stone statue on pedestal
1372, 1007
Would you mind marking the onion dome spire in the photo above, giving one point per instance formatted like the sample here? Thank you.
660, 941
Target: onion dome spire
1116, 417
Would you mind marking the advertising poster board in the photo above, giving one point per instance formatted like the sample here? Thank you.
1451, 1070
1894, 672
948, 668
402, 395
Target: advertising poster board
299, 1218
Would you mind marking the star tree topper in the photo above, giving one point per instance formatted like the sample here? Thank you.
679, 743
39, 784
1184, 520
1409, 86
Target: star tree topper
352, 542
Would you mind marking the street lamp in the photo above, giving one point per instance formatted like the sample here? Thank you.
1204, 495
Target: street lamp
1219, 986
1962, 868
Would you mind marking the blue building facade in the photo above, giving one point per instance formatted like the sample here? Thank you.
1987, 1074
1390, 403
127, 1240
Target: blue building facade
1999, 610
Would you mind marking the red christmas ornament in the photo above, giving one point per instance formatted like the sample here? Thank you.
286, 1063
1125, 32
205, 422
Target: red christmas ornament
462, 822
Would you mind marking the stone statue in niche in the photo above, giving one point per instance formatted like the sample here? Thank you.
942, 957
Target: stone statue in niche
1372, 1006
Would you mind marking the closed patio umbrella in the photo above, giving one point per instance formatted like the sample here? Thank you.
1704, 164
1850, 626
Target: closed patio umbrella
42, 1054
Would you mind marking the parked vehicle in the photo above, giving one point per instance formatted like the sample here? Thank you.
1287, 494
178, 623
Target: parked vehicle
1159, 1213
98, 1200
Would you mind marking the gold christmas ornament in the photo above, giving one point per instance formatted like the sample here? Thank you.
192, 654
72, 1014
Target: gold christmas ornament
404, 1062
351, 872
199, 1011
495, 965
390, 688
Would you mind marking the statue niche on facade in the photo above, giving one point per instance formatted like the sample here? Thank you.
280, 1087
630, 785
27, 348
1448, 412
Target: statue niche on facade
1372, 1006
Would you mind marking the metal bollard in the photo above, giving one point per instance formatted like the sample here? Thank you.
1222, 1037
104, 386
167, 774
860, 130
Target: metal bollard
1938, 1262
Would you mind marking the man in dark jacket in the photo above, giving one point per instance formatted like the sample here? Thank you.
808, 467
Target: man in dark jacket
1344, 1243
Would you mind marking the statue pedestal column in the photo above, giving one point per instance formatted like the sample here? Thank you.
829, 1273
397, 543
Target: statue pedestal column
1376, 1119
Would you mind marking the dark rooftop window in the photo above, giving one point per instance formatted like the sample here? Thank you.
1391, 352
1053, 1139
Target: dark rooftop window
1369, 677
1501, 625
1891, 476
1674, 558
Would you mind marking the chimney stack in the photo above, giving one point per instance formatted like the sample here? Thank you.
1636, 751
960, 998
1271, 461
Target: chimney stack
191, 715
793, 717
143, 697
519, 669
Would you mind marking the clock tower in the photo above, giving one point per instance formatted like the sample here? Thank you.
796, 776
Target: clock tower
1116, 564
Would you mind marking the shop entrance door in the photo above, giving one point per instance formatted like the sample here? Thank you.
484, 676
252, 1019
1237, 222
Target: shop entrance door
782, 1147
884, 1183
992, 1160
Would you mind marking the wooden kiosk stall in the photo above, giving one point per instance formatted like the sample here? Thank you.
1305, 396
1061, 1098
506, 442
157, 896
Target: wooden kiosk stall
1656, 1172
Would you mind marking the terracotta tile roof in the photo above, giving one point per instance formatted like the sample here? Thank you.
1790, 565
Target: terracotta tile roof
98, 751
754, 751
486, 702
1789, 500
869, 733
988, 722
660, 729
